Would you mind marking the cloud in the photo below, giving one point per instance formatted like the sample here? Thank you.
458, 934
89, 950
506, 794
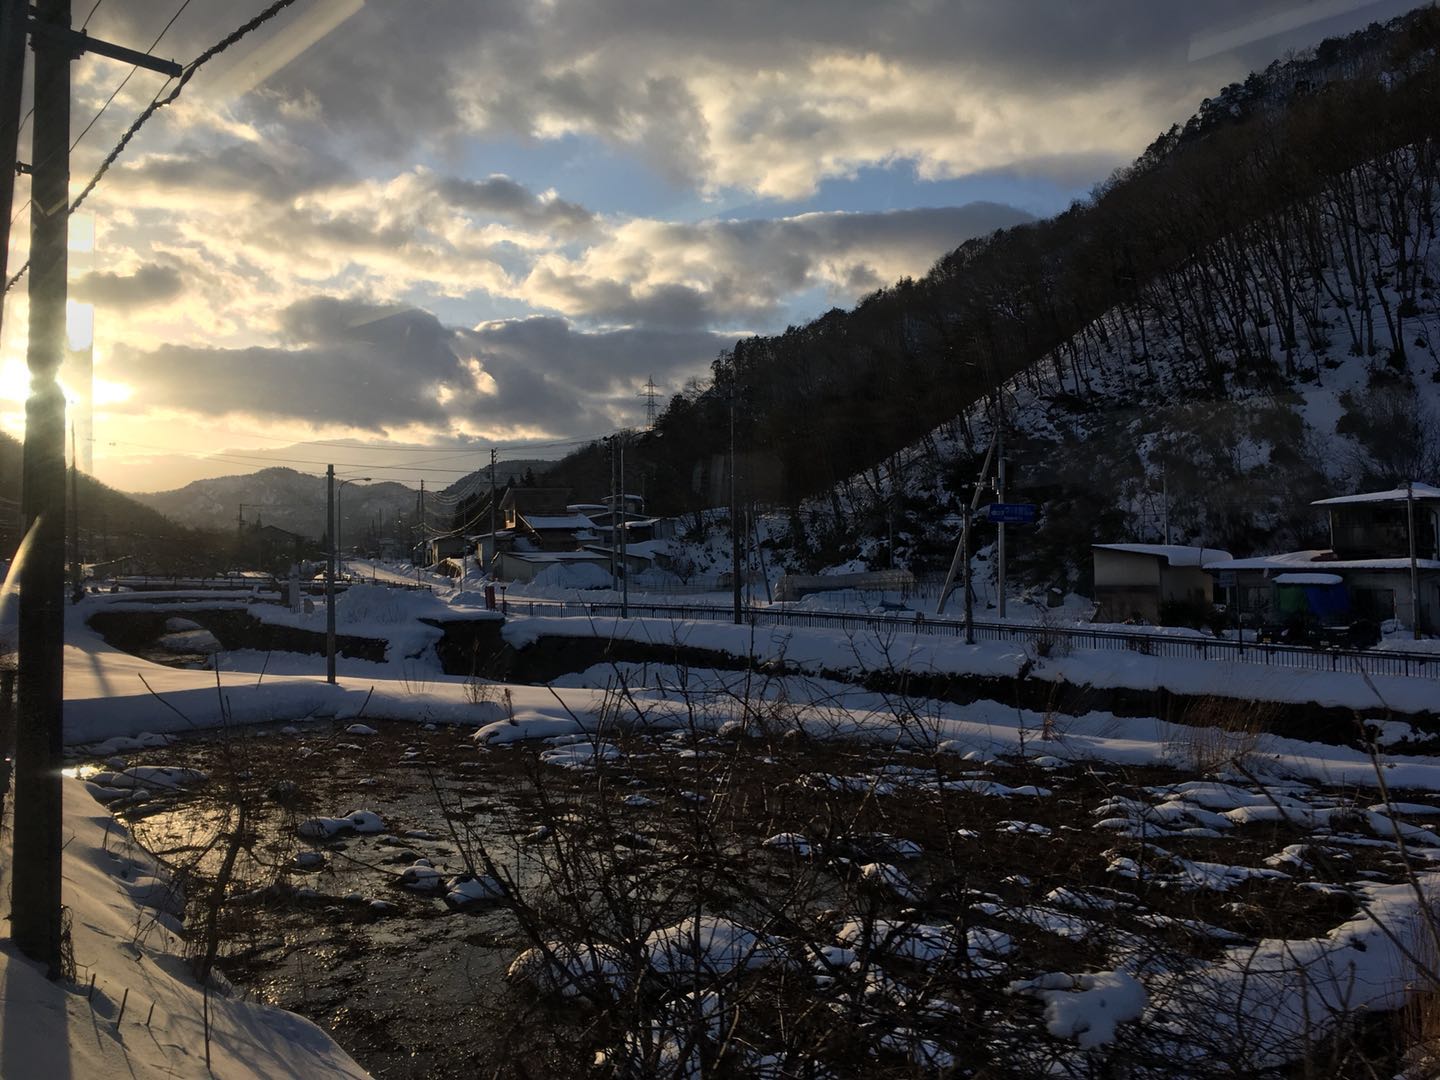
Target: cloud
771, 98
507, 200
357, 364
150, 284
214, 169
741, 272
349, 363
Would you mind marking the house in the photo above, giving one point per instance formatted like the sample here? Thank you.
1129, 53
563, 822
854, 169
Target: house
438, 548
635, 561
1157, 583
1375, 525
488, 546
538, 502
553, 532
541, 520
1364, 574
524, 566
274, 548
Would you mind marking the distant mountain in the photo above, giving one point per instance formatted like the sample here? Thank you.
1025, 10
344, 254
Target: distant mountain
114, 527
290, 500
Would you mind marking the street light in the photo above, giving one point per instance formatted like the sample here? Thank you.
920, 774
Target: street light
330, 524
339, 551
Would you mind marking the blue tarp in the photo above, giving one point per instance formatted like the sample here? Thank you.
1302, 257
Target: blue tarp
1322, 601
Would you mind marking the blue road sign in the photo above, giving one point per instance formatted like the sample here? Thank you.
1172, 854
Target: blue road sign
1011, 513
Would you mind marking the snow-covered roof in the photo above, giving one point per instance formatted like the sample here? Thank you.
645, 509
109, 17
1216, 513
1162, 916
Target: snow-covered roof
1318, 559
582, 508
1422, 491
553, 556
565, 521
649, 547
1309, 579
1174, 554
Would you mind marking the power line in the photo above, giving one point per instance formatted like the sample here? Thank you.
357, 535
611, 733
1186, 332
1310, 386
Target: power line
158, 103
131, 74
93, 9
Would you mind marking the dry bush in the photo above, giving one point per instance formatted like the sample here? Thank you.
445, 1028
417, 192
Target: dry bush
1215, 732
1048, 638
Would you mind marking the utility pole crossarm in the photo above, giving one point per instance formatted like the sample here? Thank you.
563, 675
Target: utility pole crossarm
80, 43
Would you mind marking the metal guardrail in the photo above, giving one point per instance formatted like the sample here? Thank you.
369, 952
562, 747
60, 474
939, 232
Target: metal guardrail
137, 583
1057, 638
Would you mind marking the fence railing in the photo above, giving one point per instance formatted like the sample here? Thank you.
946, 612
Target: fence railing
1046, 638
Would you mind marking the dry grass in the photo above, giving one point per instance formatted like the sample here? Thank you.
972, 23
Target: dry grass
1217, 732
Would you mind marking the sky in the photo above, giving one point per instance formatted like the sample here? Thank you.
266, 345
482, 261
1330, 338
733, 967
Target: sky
399, 233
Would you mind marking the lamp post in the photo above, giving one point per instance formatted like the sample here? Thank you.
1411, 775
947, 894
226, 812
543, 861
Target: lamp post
340, 487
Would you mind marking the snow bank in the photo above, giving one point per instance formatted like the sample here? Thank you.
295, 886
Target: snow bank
50, 1029
815, 649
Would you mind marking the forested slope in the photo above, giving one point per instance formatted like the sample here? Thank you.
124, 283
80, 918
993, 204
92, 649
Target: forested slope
1260, 280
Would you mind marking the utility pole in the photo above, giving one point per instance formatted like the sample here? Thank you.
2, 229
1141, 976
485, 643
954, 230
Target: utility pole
1000, 492
736, 599
77, 576
615, 536
1165, 504
962, 548
12, 86
330, 574
624, 530
494, 543
35, 909
1414, 569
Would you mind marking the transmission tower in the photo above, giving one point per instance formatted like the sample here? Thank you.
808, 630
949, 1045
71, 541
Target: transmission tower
651, 393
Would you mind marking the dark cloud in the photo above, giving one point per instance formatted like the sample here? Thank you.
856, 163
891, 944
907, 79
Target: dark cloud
665, 305
389, 79
501, 197
550, 375
273, 171
356, 363
150, 284
740, 273
382, 368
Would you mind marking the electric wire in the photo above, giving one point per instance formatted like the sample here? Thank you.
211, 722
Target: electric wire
131, 74
93, 9
157, 103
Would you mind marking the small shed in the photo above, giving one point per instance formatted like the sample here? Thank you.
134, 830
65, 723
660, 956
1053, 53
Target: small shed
1151, 581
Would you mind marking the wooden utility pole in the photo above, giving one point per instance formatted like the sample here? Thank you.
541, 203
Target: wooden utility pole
12, 85
35, 912
1414, 568
1000, 494
624, 531
961, 561
736, 599
330, 574
494, 543
77, 573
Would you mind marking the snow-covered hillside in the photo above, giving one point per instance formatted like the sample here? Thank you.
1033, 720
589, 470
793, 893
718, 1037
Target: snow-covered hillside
1214, 406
